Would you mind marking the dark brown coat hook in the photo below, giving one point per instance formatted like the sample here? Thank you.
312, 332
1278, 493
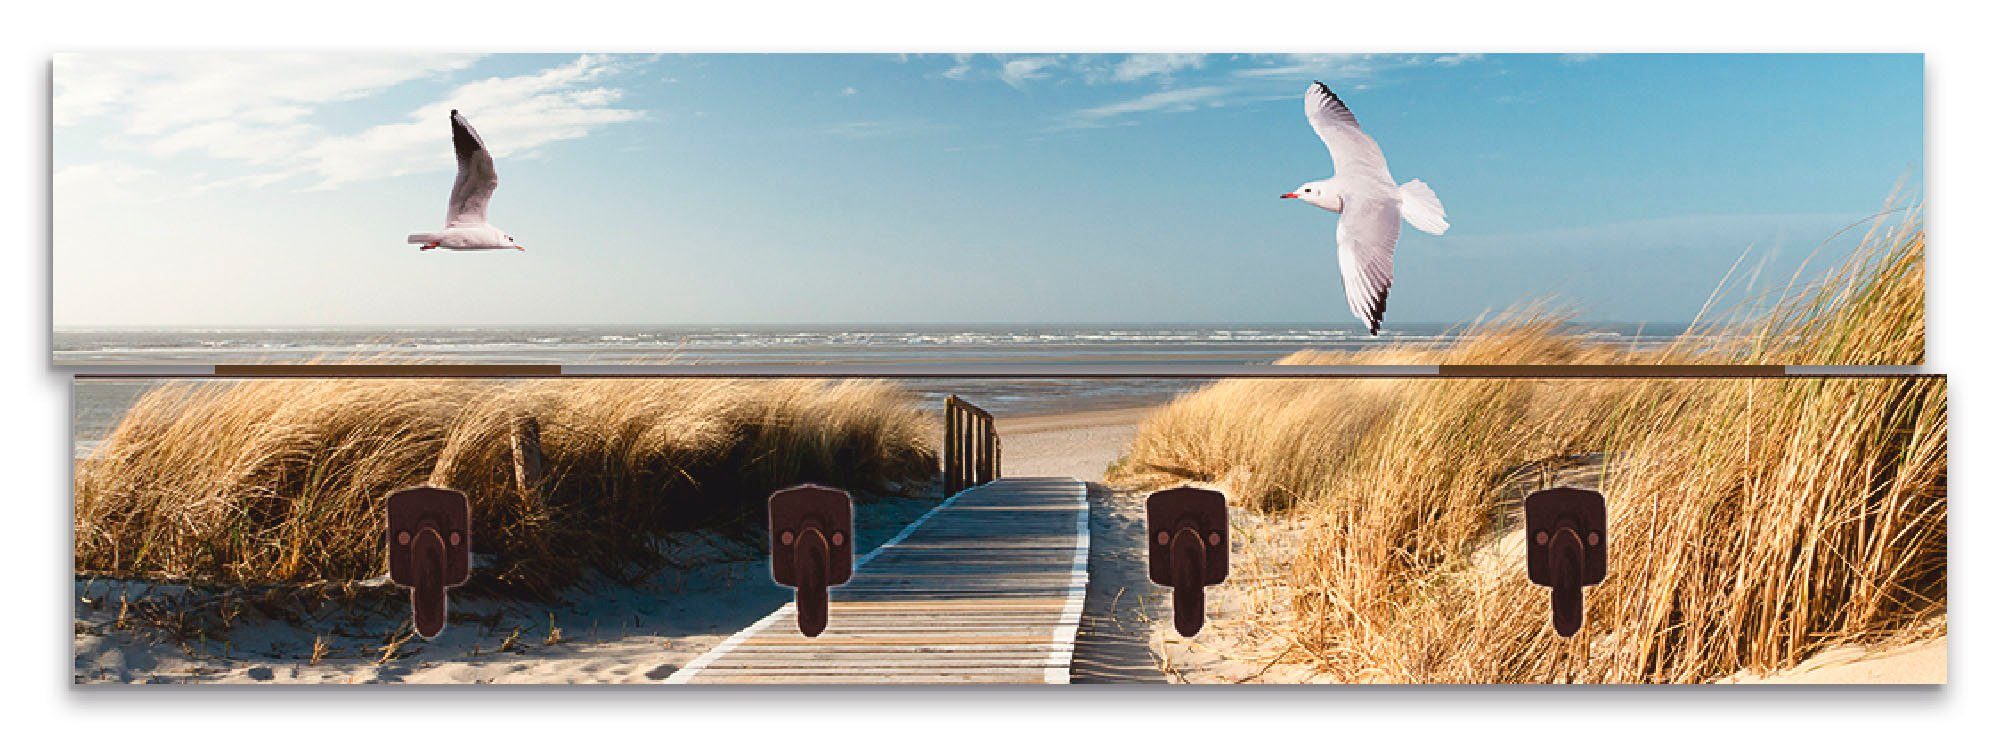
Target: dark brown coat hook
1566, 549
430, 549
812, 547
1187, 532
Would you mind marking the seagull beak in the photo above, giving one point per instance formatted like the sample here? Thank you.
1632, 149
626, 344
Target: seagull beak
1289, 196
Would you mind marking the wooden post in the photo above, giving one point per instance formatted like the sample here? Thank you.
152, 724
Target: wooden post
979, 447
951, 443
969, 426
526, 440
985, 441
992, 458
968, 463
965, 431
978, 459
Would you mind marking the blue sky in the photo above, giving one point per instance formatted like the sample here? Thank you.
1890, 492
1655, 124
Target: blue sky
265, 189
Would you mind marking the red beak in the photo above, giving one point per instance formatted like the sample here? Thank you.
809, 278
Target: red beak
1289, 196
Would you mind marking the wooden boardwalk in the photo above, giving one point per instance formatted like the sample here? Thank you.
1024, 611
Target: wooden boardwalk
986, 588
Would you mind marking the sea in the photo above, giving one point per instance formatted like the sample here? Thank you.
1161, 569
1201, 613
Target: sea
1039, 349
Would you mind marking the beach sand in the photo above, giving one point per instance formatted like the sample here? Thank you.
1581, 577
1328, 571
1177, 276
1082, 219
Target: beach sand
1080, 444
1917, 663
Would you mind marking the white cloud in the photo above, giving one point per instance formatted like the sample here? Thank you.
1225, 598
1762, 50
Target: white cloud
1253, 84
87, 90
848, 92
1020, 71
100, 182
258, 111
961, 65
1167, 101
1140, 66
102, 176
1348, 67
1324, 65
515, 116
156, 94
1578, 58
1017, 73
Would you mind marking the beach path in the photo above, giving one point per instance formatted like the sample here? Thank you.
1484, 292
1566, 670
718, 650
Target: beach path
986, 588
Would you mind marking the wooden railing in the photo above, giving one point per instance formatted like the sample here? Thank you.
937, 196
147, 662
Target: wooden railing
971, 445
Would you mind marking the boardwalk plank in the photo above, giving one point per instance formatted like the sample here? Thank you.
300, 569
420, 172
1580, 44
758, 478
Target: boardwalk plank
987, 589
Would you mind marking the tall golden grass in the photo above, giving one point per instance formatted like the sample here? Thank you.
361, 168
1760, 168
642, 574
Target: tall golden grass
1753, 522
282, 480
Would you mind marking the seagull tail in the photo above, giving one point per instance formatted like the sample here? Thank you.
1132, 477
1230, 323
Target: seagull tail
425, 238
1422, 208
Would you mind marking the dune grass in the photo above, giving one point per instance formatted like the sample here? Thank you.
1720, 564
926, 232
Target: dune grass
276, 481
1753, 522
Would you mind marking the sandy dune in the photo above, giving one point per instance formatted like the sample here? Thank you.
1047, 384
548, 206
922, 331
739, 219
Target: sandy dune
1918, 663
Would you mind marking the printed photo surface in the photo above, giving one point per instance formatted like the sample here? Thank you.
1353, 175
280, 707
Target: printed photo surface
1047, 210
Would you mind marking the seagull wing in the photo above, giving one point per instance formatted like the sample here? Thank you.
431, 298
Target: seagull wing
476, 178
1367, 237
1356, 158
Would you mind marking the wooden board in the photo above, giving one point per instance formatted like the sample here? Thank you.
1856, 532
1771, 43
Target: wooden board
986, 588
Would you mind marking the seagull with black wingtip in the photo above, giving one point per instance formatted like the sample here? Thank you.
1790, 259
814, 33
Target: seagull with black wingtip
1370, 204
465, 226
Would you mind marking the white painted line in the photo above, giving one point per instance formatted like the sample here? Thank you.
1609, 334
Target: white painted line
694, 667
1072, 613
911, 528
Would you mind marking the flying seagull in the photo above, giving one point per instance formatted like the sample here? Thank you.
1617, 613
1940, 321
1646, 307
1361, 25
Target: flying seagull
1370, 205
465, 226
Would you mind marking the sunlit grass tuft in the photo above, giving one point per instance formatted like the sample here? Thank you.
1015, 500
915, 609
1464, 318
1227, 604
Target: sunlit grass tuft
274, 481
1754, 522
